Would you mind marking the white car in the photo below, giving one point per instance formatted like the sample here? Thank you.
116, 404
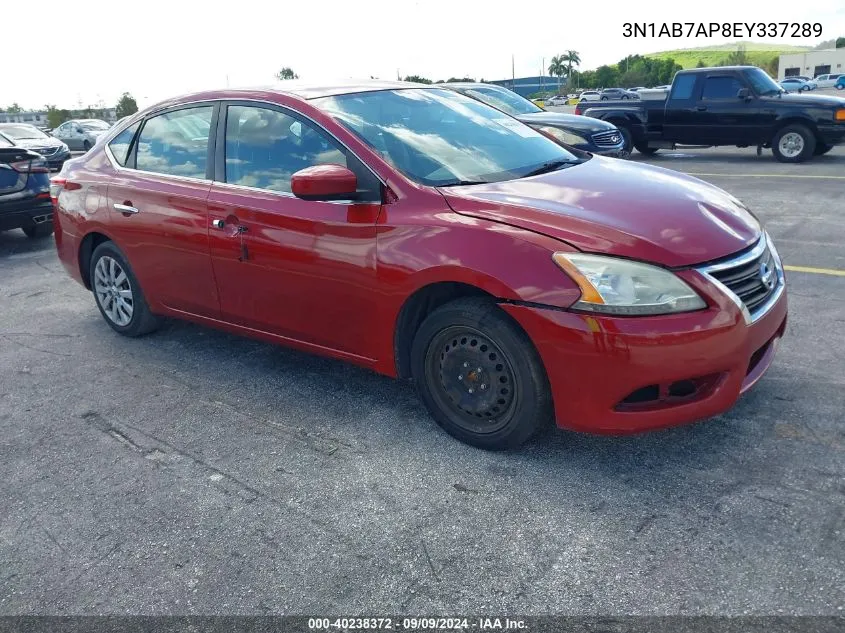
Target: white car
827, 81
557, 100
591, 95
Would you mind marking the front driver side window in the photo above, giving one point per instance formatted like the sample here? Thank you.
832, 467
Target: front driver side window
265, 147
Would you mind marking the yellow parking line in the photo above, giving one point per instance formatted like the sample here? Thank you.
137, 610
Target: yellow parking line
816, 271
814, 176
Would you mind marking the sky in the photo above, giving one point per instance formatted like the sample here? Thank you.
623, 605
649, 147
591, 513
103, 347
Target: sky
156, 49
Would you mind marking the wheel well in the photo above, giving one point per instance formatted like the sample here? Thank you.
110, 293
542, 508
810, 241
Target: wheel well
793, 120
414, 311
86, 249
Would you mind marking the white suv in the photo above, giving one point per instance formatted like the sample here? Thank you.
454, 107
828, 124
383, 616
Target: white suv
591, 95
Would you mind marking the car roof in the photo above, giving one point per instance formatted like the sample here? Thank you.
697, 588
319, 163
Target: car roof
315, 90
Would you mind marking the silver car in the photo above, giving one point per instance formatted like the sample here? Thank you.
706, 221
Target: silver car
81, 134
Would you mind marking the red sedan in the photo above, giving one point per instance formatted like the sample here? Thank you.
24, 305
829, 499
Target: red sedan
425, 235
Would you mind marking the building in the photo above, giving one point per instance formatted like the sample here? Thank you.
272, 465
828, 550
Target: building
526, 86
38, 118
812, 63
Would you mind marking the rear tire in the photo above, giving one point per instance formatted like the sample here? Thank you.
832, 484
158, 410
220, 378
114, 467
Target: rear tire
793, 143
479, 375
118, 294
604, 98
37, 231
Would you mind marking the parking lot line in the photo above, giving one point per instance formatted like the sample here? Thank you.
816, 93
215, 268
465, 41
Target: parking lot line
811, 176
815, 271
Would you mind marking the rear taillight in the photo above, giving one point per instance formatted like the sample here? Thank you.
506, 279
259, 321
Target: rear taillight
57, 183
35, 166
578, 109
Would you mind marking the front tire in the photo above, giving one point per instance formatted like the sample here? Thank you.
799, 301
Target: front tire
604, 98
86, 146
822, 149
38, 231
118, 294
479, 375
793, 143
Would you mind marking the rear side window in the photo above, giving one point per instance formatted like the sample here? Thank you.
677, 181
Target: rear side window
682, 87
176, 143
120, 144
721, 88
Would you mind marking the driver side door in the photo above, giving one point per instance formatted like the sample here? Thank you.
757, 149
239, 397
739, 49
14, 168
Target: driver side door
301, 269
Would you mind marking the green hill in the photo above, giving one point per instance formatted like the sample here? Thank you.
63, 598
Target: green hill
758, 54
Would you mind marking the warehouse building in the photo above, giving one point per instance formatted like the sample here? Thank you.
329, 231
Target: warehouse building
812, 63
529, 85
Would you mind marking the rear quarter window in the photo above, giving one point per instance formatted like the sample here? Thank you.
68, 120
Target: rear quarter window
121, 144
682, 87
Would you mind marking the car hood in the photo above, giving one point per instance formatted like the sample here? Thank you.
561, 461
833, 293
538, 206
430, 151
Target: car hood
808, 100
35, 143
615, 207
569, 121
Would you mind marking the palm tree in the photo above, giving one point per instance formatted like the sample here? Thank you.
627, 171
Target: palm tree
557, 68
570, 58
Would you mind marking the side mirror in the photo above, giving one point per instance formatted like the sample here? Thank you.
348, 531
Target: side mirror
79, 130
743, 93
324, 182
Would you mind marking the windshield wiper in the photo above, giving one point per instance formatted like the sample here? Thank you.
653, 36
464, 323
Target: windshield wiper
552, 165
460, 183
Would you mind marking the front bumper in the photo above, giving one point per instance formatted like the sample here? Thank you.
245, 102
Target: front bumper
833, 134
623, 375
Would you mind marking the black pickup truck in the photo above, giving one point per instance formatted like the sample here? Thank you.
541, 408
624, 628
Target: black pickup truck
732, 105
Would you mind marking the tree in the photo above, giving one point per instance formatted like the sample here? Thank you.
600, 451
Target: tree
700, 64
737, 58
557, 68
840, 42
56, 117
571, 58
14, 108
286, 73
606, 76
126, 106
417, 79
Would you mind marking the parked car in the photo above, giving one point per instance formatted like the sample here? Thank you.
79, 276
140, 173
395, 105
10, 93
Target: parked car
840, 83
81, 134
609, 94
24, 190
801, 77
557, 100
417, 232
573, 130
637, 89
590, 95
664, 87
826, 81
733, 105
793, 84
30, 137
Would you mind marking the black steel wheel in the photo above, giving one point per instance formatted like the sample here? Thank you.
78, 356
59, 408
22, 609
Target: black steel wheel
479, 375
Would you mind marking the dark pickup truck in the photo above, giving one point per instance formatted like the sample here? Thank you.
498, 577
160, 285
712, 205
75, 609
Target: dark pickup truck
732, 105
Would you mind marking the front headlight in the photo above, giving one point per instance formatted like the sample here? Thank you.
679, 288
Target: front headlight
618, 286
564, 136
65, 148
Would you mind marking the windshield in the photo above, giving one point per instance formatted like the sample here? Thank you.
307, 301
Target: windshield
439, 138
504, 100
762, 83
19, 132
94, 125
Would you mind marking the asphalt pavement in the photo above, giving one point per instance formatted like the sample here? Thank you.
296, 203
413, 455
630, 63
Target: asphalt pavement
192, 471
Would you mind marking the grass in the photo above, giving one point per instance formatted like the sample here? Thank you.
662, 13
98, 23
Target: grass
758, 54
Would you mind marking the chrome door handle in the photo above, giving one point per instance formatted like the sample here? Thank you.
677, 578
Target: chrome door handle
125, 208
218, 224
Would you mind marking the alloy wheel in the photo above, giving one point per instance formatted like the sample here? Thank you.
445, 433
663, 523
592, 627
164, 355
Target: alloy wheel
791, 144
113, 291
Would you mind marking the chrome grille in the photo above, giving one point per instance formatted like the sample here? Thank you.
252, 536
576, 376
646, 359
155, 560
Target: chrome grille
611, 138
754, 277
46, 151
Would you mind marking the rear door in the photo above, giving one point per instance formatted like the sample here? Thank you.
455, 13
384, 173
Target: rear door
680, 119
158, 205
